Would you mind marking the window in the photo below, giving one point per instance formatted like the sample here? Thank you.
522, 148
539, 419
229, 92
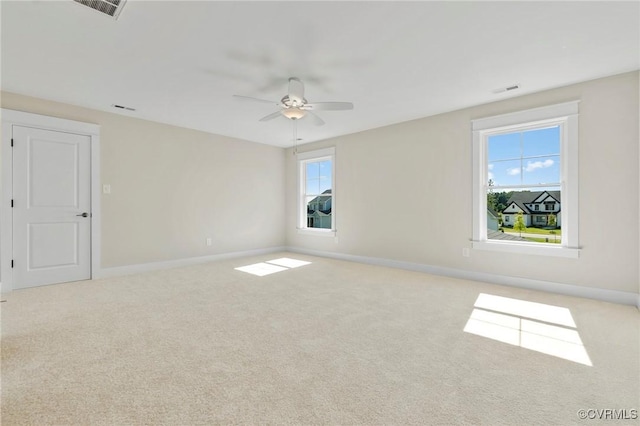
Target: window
522, 159
316, 202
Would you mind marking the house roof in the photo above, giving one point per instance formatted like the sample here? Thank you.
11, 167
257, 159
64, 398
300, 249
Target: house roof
322, 198
492, 212
521, 198
499, 235
319, 213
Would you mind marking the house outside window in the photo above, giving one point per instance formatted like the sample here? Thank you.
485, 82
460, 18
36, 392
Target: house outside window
522, 161
316, 202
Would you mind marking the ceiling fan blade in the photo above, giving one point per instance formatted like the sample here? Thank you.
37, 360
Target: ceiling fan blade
316, 120
271, 116
296, 90
328, 106
249, 98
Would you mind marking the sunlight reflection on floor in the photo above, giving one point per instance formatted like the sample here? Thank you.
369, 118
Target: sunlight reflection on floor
272, 266
536, 326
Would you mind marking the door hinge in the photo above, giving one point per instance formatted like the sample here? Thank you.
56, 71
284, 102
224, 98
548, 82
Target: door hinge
12, 203
11, 141
12, 263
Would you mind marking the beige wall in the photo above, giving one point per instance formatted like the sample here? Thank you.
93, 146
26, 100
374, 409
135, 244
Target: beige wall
404, 192
171, 188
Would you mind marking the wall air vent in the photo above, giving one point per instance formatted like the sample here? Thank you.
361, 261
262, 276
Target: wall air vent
108, 7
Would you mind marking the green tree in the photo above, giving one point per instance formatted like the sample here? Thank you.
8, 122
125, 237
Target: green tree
491, 196
491, 201
519, 225
552, 221
501, 200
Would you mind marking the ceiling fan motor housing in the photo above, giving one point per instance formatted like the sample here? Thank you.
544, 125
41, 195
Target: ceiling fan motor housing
293, 102
294, 106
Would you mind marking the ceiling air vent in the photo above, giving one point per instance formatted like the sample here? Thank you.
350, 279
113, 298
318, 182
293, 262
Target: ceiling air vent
123, 107
507, 89
108, 7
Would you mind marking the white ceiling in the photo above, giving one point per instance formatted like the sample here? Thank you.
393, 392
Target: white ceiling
180, 62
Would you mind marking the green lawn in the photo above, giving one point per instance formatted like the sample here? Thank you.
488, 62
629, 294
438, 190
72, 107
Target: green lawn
543, 240
535, 231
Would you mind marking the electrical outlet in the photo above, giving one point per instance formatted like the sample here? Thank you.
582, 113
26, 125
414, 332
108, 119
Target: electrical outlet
465, 252
209, 241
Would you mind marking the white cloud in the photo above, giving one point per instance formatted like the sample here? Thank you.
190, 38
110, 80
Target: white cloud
490, 175
531, 166
490, 166
514, 171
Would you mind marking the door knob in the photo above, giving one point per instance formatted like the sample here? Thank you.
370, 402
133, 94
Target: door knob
83, 214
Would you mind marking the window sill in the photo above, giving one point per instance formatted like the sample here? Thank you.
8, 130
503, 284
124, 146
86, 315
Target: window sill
541, 249
317, 231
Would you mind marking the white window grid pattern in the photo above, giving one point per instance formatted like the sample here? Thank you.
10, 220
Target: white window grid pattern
304, 158
563, 115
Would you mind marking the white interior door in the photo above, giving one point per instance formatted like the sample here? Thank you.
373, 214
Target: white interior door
51, 193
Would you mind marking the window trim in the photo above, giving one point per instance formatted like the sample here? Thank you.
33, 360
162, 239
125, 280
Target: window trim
566, 116
307, 157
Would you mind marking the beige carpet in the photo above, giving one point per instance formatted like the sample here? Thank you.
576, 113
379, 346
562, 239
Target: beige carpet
331, 342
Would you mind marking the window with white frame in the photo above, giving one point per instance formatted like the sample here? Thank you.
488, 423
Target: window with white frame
316, 200
520, 160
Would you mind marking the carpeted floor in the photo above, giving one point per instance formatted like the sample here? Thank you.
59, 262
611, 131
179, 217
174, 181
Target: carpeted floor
330, 342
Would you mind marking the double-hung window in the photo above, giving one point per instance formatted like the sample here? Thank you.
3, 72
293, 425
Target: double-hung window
316, 192
524, 160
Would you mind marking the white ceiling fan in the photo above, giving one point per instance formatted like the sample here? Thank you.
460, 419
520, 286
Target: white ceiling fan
294, 106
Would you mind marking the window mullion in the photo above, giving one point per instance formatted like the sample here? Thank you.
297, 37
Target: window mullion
521, 160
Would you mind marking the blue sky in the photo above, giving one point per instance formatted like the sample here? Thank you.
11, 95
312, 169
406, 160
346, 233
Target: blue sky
525, 158
318, 175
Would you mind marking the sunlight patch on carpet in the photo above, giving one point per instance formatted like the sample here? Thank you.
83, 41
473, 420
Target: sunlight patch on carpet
272, 266
536, 326
288, 263
261, 269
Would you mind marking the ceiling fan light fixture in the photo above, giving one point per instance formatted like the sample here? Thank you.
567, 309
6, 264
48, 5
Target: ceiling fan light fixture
293, 113
294, 106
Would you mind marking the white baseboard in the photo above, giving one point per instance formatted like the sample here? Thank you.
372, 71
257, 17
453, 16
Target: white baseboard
154, 266
613, 296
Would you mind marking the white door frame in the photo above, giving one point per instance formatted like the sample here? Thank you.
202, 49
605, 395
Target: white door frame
19, 118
